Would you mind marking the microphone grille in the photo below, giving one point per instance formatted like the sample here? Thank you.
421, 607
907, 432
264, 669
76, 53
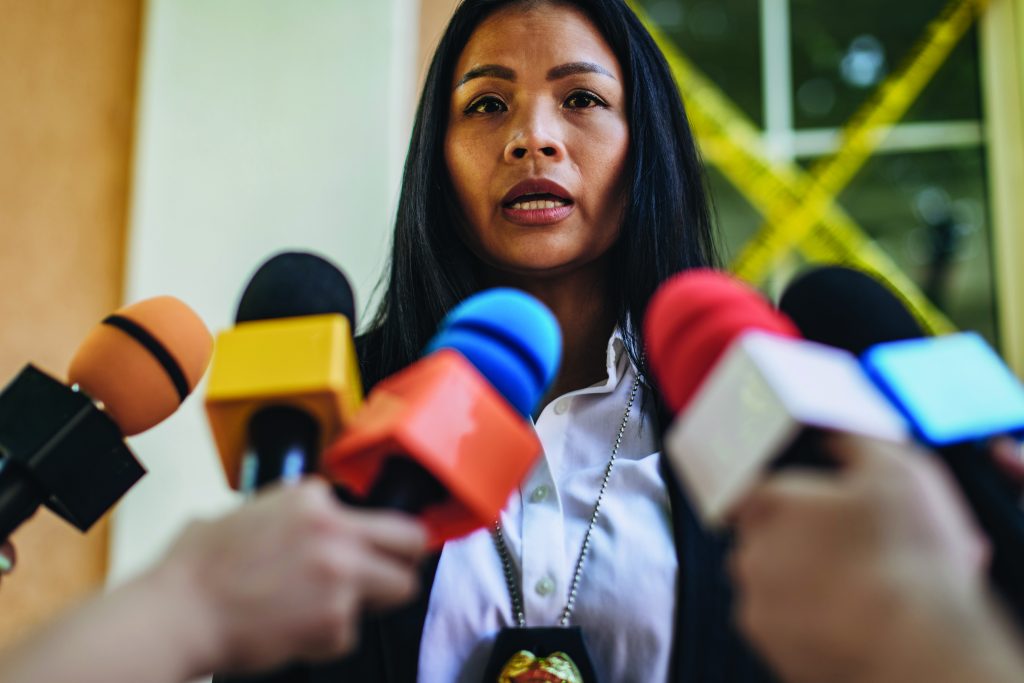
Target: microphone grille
511, 338
293, 284
847, 309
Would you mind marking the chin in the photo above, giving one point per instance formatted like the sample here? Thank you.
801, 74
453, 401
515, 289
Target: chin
540, 256
540, 267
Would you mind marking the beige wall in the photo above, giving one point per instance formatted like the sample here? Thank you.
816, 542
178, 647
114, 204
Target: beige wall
67, 84
262, 125
434, 16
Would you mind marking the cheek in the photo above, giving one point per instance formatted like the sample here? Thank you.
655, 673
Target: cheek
464, 164
615, 162
605, 169
457, 172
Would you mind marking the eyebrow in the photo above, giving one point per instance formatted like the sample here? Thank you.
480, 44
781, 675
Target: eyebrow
507, 74
573, 68
487, 71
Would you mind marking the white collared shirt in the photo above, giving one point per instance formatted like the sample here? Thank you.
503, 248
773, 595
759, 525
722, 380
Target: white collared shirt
626, 599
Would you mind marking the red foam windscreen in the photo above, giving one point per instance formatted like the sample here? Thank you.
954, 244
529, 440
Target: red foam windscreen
692, 319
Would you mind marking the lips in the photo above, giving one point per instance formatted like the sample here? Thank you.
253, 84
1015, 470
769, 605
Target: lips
536, 194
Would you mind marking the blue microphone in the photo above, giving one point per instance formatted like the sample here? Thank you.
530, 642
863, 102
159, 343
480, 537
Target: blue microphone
512, 339
954, 390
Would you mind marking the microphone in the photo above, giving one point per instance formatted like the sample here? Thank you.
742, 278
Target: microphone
954, 390
847, 309
747, 392
285, 380
63, 446
448, 437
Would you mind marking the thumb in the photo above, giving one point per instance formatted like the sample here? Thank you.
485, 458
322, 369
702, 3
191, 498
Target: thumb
853, 453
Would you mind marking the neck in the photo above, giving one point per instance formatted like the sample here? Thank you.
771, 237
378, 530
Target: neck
580, 303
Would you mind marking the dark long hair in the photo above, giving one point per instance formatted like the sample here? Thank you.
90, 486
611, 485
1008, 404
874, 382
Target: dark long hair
666, 227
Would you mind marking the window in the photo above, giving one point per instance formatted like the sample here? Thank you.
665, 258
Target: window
797, 71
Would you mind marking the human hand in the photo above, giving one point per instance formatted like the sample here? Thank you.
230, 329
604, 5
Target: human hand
287, 576
856, 574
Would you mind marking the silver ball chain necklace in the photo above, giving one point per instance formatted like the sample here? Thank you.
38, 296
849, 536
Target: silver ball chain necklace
561, 650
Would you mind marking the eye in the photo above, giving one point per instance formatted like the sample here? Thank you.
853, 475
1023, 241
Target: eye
582, 99
487, 104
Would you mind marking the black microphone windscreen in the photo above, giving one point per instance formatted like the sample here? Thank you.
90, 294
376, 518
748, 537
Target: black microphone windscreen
293, 284
847, 309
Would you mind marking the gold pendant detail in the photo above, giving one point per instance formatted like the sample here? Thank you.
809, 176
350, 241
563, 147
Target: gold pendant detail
525, 667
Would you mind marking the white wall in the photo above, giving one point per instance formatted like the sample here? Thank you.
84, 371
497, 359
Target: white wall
262, 125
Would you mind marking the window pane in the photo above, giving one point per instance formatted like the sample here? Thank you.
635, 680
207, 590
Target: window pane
723, 38
928, 210
926, 204
842, 51
736, 219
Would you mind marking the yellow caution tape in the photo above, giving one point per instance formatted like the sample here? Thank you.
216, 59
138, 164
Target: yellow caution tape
860, 139
794, 202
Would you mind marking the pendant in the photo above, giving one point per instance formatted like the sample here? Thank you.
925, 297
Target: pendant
540, 655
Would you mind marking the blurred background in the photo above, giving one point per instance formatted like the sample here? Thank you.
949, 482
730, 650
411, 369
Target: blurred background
170, 146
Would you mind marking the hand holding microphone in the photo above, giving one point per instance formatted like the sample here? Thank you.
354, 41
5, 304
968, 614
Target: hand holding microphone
284, 577
750, 395
954, 391
445, 439
871, 572
289, 576
875, 571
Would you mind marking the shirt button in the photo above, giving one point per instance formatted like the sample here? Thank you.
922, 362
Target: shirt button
561, 406
539, 494
545, 587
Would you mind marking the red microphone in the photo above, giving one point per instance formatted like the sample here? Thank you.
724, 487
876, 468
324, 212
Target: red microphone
748, 393
691, 321
447, 438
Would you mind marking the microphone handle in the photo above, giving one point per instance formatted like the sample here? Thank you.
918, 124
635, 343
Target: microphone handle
284, 443
805, 451
19, 499
997, 508
283, 446
290, 673
403, 484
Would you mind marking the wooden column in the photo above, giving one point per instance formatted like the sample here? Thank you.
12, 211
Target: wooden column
68, 71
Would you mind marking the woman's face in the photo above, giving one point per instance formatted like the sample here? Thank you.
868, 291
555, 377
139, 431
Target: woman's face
537, 141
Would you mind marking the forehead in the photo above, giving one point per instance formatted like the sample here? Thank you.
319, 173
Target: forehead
531, 41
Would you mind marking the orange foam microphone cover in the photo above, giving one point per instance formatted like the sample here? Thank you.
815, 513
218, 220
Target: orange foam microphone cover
142, 361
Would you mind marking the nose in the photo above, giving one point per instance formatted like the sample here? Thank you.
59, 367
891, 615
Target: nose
534, 137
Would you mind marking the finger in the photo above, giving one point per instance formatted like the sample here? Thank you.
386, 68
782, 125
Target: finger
1008, 457
339, 634
786, 491
382, 581
791, 483
392, 533
851, 451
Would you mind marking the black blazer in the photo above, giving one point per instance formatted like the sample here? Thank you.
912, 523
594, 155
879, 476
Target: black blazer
708, 648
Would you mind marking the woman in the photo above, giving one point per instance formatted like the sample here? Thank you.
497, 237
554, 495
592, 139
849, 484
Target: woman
551, 153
